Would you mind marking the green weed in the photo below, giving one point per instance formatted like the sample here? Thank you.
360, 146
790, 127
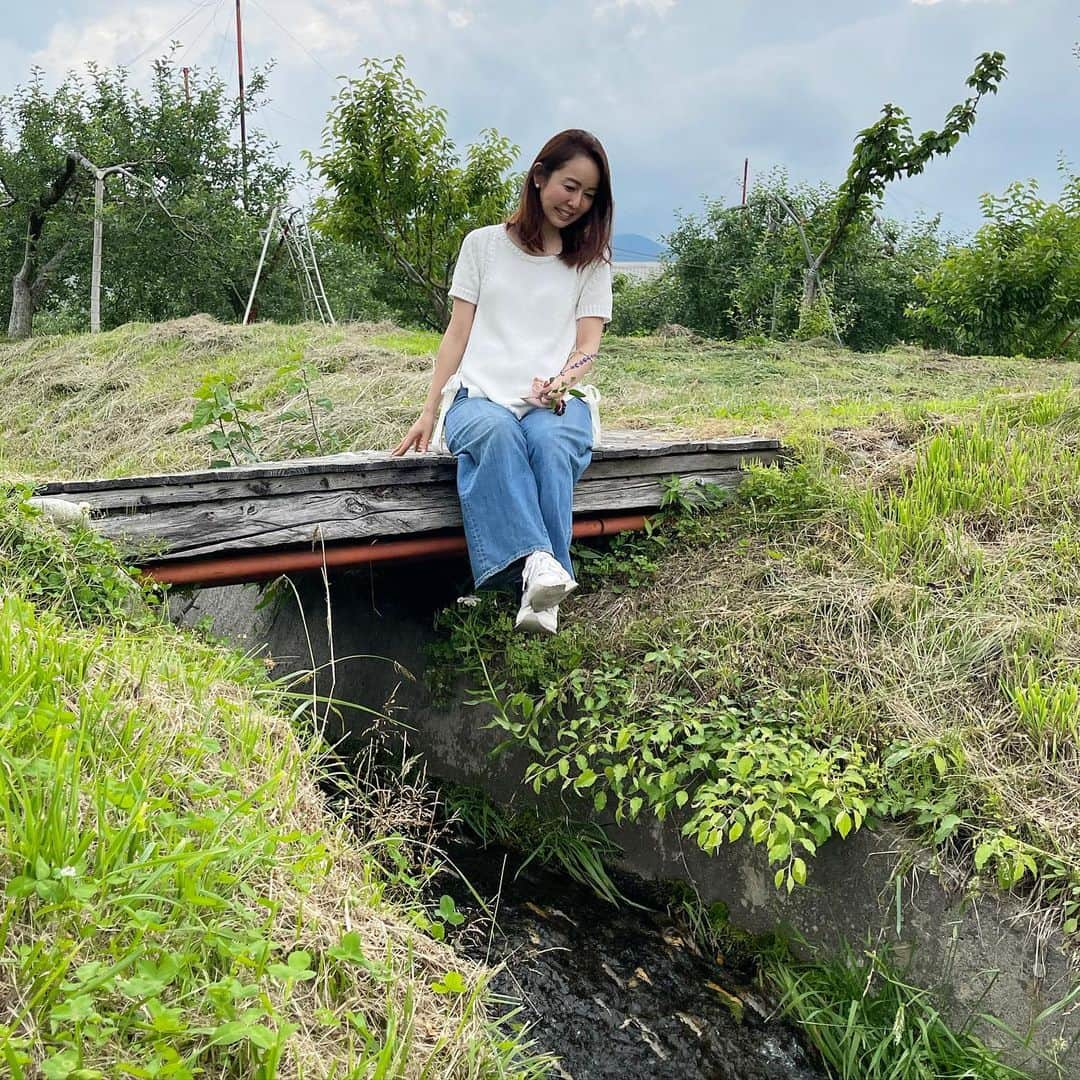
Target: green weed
579, 848
179, 901
868, 1023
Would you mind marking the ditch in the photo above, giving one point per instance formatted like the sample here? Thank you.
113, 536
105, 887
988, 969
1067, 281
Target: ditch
618, 993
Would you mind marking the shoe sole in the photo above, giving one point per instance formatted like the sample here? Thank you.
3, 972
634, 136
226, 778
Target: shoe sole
543, 597
532, 625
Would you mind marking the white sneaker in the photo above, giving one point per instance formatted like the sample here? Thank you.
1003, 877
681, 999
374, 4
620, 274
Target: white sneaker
529, 621
544, 582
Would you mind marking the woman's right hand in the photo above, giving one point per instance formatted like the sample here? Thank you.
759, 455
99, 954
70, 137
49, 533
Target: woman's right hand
418, 436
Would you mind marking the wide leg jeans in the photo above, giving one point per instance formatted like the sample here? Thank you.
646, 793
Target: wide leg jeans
516, 479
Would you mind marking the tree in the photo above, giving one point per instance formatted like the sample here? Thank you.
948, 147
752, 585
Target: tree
400, 189
1016, 288
886, 150
37, 174
739, 270
177, 238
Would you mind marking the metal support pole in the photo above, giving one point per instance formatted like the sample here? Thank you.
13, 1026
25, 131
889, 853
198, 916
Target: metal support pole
324, 303
262, 259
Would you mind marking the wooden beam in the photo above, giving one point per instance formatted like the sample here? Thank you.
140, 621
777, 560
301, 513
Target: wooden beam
195, 529
368, 494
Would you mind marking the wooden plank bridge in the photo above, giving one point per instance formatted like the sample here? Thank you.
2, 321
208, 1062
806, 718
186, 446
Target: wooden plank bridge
233, 520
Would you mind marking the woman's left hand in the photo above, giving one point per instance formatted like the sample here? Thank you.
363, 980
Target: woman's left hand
547, 393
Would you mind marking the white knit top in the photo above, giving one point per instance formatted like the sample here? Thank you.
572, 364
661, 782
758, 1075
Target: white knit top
527, 307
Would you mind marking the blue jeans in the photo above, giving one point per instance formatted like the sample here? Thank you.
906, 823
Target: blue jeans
516, 479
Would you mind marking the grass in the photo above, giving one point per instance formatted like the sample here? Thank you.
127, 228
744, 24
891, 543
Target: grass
180, 899
869, 1024
114, 404
580, 849
895, 618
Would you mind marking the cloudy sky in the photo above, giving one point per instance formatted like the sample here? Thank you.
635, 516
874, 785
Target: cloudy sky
680, 91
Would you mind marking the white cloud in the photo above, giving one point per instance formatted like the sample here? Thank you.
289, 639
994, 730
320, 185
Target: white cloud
655, 7
933, 3
119, 37
286, 29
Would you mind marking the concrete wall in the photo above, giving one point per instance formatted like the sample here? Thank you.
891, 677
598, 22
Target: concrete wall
979, 955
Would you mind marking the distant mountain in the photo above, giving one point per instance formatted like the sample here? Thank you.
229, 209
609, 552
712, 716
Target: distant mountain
633, 247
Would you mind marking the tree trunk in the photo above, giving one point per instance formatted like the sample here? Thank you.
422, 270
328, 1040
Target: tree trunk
21, 321
30, 283
809, 290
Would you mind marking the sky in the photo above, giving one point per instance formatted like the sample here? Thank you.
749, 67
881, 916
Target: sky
679, 91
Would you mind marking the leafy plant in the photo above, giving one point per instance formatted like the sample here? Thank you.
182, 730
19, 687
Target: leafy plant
1015, 289
74, 571
297, 385
218, 409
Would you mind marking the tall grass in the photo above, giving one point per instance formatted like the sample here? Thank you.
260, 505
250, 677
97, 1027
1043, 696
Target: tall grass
178, 900
868, 1023
979, 474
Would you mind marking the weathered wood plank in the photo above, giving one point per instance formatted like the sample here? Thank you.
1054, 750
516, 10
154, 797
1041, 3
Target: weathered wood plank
619, 447
208, 528
110, 501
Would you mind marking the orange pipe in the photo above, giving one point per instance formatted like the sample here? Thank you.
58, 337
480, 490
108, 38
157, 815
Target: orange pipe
234, 569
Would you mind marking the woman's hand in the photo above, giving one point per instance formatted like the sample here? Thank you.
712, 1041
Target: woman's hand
418, 436
547, 393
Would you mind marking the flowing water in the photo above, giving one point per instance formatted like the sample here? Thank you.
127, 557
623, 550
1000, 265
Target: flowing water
617, 993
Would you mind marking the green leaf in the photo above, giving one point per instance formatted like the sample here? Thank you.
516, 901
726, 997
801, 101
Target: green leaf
348, 949
843, 823
585, 780
451, 983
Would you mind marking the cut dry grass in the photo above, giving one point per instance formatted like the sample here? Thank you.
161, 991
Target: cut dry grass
113, 404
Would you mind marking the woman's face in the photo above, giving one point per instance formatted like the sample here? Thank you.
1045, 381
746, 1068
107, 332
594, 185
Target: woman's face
568, 193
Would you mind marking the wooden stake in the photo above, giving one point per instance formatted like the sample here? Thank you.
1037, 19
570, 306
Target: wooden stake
95, 262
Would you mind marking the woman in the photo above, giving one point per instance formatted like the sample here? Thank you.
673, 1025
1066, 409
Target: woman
531, 297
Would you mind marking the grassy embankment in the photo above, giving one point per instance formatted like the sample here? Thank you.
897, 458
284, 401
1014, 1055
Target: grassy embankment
891, 628
180, 899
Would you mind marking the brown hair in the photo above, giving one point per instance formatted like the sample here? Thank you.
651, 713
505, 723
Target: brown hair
587, 239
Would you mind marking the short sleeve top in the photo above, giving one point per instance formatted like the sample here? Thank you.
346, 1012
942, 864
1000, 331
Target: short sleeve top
527, 307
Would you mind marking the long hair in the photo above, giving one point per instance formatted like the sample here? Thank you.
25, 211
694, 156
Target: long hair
587, 239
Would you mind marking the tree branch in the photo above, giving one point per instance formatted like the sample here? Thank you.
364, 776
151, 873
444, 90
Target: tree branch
43, 278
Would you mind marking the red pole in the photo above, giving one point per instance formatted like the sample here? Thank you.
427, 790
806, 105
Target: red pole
257, 566
240, 77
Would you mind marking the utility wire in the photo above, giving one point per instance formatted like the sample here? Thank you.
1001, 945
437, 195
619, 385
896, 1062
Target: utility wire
299, 44
183, 20
206, 26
